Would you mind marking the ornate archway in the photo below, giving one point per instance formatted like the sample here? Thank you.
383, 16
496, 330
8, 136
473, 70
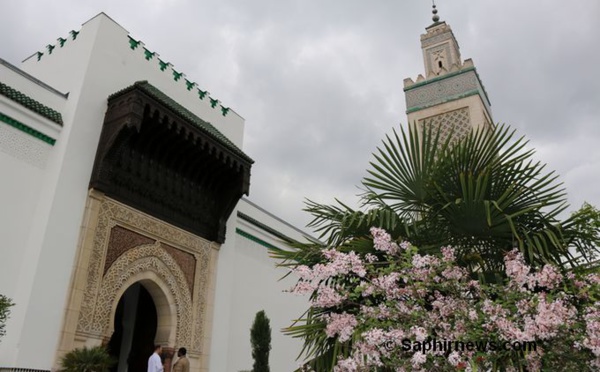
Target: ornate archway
160, 274
121, 246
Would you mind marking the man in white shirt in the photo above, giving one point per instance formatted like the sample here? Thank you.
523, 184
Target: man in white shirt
154, 362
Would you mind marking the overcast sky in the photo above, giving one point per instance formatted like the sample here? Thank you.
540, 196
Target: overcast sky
320, 82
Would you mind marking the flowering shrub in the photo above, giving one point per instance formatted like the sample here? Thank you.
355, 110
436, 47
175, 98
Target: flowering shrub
386, 306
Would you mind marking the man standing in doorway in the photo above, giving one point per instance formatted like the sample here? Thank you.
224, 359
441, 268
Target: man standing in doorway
154, 362
182, 364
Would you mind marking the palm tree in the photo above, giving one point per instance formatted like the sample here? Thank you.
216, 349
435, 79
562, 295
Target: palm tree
482, 194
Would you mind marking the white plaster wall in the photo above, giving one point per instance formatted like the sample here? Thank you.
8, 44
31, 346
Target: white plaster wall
23, 161
98, 63
18, 195
248, 281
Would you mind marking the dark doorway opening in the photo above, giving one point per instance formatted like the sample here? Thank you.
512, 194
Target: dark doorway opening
132, 342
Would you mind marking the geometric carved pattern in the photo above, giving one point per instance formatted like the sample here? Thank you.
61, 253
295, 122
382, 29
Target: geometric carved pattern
186, 262
94, 313
23, 146
439, 91
457, 122
428, 41
121, 240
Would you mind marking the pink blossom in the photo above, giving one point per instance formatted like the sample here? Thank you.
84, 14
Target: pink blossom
383, 241
516, 269
549, 277
593, 278
370, 258
592, 329
448, 254
420, 262
455, 273
418, 359
304, 287
388, 284
304, 272
340, 324
346, 365
327, 297
420, 333
454, 358
424, 295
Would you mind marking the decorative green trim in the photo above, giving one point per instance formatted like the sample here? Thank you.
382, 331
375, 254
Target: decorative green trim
39, 55
26, 129
224, 110
50, 48
266, 228
433, 80
163, 65
189, 84
177, 75
74, 34
133, 43
202, 93
148, 54
438, 78
61, 41
30, 103
449, 99
254, 239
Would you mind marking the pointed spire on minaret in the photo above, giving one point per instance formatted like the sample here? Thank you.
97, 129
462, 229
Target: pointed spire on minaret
435, 17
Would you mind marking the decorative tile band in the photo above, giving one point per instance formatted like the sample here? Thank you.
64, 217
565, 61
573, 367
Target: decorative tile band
26, 129
445, 100
444, 89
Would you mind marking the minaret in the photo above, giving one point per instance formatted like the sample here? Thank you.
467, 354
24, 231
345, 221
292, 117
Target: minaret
451, 94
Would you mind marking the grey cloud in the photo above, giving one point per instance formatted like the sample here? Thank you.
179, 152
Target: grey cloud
320, 82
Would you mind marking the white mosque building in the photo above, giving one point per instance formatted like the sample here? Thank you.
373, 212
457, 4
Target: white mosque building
123, 217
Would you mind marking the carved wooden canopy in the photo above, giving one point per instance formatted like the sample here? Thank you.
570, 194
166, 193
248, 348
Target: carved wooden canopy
160, 158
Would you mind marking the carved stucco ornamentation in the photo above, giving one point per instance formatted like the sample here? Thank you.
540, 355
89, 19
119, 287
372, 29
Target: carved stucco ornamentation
93, 316
428, 40
120, 241
138, 260
23, 147
457, 122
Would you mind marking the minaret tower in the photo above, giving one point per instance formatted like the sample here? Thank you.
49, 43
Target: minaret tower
451, 94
